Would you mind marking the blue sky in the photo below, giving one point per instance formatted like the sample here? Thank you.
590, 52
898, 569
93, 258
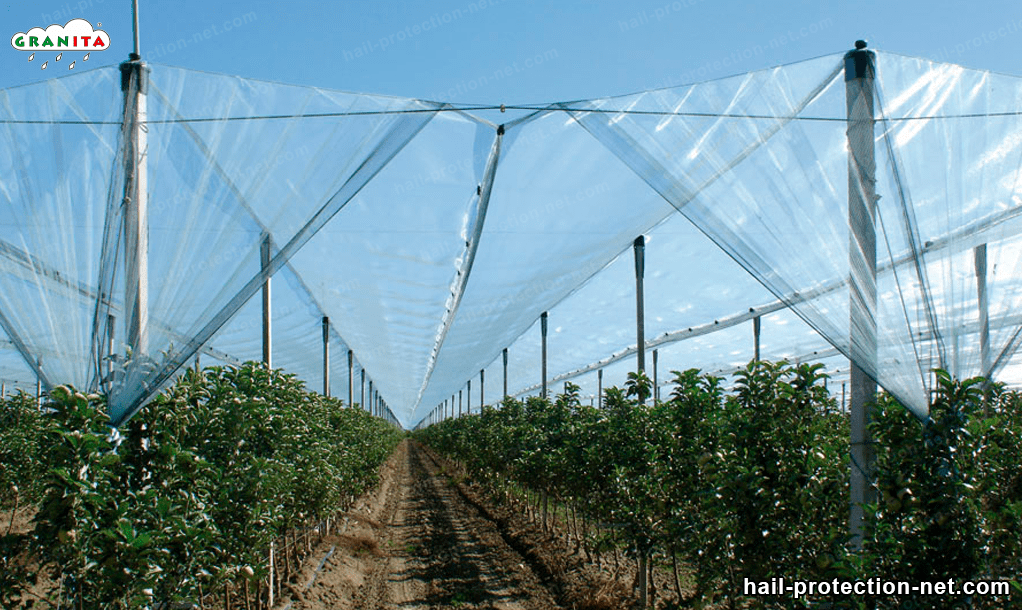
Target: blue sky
515, 51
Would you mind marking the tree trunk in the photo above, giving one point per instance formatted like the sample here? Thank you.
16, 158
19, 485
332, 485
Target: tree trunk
643, 583
544, 499
677, 581
651, 580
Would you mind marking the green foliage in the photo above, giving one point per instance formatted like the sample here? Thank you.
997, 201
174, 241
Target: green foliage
188, 495
947, 489
753, 483
21, 432
709, 476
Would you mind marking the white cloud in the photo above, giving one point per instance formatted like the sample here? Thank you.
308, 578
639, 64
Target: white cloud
75, 35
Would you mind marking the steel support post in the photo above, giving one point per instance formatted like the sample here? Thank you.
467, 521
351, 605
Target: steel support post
859, 91
542, 328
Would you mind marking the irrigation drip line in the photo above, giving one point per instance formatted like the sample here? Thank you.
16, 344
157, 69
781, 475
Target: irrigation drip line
708, 115
319, 568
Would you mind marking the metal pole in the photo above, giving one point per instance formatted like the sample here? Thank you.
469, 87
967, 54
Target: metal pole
134, 84
639, 249
362, 396
111, 320
351, 378
542, 328
134, 25
39, 385
859, 91
482, 384
505, 372
468, 397
459, 401
599, 387
264, 256
369, 407
980, 256
656, 387
756, 325
326, 356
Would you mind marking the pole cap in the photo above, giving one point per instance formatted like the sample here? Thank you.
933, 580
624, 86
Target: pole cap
859, 63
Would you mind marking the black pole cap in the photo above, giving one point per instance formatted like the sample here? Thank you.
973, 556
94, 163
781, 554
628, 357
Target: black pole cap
859, 62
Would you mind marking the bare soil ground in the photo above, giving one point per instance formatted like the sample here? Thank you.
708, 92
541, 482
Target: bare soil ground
425, 540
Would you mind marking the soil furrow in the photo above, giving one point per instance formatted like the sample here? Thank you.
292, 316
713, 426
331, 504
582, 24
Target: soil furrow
416, 544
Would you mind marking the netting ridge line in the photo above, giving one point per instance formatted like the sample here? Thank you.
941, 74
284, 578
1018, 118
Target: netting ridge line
464, 111
914, 239
382, 154
528, 118
468, 115
461, 279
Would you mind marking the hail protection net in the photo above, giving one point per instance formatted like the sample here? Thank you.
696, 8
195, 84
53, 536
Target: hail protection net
433, 237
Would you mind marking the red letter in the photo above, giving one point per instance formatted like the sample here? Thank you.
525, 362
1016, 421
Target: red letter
85, 40
98, 43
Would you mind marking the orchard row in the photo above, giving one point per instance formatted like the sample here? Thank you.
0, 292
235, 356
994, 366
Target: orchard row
187, 497
752, 481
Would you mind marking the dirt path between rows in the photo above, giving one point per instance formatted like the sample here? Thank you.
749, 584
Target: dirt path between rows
415, 543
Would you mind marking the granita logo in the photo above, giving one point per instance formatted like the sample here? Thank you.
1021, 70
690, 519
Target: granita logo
75, 35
